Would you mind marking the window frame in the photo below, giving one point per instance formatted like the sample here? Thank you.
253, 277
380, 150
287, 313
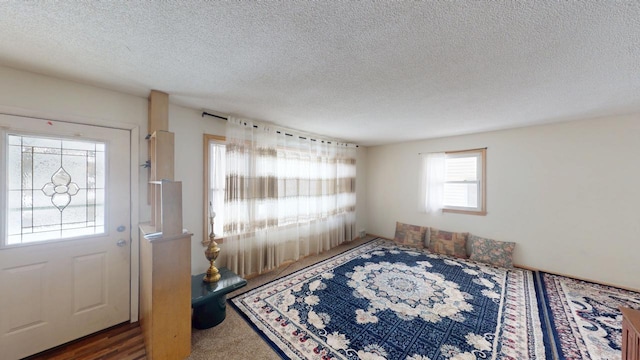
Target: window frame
481, 210
207, 139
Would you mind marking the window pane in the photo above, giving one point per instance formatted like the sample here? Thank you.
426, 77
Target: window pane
56, 196
461, 168
461, 195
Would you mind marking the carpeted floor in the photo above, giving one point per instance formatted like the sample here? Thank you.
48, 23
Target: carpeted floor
234, 338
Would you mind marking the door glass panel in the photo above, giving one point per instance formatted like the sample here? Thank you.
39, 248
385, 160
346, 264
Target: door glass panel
55, 188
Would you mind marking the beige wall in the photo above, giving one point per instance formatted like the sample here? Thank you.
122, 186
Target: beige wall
567, 193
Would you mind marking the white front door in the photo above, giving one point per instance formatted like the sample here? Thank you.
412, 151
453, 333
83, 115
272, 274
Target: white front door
65, 232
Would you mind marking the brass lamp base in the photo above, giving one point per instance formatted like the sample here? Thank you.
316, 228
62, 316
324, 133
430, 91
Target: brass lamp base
212, 251
212, 275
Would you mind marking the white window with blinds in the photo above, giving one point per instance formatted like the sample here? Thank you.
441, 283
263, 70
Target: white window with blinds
464, 188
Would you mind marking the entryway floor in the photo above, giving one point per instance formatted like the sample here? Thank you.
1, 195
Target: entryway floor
122, 342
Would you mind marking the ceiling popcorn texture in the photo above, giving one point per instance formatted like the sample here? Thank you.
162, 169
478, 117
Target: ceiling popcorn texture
360, 71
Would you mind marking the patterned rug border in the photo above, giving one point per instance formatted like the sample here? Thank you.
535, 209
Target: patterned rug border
255, 328
545, 318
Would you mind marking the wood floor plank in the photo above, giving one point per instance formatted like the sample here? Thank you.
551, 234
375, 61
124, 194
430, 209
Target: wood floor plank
124, 341
106, 343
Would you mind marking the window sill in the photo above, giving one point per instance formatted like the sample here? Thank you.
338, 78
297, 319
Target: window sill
467, 212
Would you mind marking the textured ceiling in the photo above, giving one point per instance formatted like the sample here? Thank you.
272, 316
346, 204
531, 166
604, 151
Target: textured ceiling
366, 72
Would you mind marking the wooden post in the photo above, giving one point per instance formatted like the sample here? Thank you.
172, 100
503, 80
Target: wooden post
158, 111
165, 251
165, 295
158, 121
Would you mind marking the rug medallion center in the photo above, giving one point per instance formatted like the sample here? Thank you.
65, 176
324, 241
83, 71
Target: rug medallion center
409, 291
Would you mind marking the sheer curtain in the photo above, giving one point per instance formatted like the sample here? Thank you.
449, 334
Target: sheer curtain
432, 173
286, 197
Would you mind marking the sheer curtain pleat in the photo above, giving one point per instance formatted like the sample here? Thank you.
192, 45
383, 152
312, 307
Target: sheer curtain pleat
286, 197
432, 178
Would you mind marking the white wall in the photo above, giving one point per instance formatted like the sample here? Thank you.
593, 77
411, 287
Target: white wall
568, 194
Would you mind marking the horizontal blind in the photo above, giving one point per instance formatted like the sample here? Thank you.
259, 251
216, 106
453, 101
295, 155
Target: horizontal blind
461, 168
461, 195
461, 187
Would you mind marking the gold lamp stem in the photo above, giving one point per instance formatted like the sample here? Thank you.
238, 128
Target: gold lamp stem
212, 252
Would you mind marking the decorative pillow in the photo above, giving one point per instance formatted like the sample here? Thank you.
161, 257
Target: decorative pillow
497, 253
410, 235
448, 243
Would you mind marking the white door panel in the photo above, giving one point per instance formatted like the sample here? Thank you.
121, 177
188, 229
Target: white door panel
78, 281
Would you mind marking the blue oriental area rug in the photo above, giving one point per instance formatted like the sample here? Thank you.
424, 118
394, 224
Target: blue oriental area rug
384, 301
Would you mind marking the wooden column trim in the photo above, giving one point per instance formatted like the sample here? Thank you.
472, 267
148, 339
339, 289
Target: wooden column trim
158, 121
158, 111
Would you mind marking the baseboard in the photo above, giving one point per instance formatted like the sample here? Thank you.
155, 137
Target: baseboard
378, 236
288, 262
524, 267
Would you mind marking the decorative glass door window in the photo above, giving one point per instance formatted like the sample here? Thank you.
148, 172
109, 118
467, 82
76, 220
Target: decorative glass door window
56, 188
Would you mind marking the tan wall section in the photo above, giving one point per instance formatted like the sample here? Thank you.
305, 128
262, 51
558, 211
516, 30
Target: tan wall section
567, 194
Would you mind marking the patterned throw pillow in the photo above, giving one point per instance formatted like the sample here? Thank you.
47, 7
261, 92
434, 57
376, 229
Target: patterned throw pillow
497, 253
410, 235
448, 243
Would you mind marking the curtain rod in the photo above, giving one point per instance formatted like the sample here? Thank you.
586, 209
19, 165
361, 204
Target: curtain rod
214, 115
255, 126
